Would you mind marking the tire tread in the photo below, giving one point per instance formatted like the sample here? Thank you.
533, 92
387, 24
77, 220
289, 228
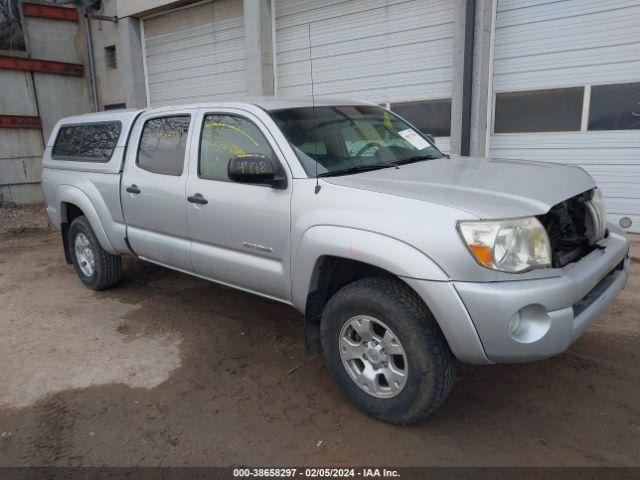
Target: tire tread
108, 267
426, 331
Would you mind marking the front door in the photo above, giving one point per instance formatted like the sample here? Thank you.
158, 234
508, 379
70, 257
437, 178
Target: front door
153, 189
241, 235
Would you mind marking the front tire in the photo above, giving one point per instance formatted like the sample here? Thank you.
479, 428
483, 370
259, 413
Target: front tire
95, 267
385, 350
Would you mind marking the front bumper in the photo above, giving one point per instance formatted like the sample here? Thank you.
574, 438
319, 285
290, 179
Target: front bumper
475, 317
553, 311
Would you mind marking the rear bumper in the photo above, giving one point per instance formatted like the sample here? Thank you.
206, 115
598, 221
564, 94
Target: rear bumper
475, 317
553, 312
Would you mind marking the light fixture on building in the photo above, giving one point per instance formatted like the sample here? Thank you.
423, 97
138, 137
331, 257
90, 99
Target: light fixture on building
625, 222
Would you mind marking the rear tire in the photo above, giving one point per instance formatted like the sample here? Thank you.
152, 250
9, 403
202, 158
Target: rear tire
395, 363
95, 267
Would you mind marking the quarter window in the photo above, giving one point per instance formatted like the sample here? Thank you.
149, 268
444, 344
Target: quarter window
162, 145
224, 136
557, 110
431, 117
615, 107
86, 143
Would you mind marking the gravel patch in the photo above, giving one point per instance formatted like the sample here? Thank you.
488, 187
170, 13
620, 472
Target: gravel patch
23, 218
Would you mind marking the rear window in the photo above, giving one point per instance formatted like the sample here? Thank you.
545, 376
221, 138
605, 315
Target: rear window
162, 145
86, 143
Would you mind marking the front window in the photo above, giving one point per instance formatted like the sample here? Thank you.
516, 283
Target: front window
348, 139
223, 137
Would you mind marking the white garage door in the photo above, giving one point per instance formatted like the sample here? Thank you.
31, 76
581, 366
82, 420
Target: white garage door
196, 53
393, 52
567, 89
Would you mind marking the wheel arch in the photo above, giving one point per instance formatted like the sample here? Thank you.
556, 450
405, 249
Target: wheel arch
74, 202
379, 251
329, 257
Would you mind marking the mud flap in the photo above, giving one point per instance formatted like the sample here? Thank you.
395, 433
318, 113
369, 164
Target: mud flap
312, 337
312, 318
64, 229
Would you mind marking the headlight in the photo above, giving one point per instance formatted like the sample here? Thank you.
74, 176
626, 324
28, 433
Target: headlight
513, 245
599, 215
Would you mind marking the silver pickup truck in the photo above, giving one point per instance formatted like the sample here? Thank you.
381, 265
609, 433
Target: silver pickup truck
402, 259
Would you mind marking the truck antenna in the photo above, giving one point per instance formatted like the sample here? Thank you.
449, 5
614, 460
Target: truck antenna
313, 108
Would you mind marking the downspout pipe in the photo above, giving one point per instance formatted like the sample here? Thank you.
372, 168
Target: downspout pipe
467, 76
92, 66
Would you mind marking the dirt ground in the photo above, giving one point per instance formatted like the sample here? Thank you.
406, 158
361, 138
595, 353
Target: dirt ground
167, 369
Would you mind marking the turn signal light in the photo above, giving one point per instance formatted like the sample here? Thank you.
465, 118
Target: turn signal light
482, 254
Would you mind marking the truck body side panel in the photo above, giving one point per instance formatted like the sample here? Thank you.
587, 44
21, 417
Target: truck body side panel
97, 195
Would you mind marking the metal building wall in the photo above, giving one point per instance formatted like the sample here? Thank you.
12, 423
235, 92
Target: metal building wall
541, 44
379, 50
49, 96
376, 50
196, 53
21, 152
105, 34
58, 95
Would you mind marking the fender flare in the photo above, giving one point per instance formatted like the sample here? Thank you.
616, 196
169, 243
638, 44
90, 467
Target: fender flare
379, 250
75, 196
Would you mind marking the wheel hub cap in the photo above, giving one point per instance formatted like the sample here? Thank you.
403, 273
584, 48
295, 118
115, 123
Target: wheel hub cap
84, 254
373, 356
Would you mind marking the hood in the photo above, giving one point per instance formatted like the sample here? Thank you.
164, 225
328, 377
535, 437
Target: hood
486, 188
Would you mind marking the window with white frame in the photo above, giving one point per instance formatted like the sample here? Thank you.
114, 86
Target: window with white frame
553, 110
615, 107
432, 117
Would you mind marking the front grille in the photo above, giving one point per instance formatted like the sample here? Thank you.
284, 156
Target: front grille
569, 225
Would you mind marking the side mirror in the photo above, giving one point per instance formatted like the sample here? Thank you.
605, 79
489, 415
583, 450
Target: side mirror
257, 169
430, 138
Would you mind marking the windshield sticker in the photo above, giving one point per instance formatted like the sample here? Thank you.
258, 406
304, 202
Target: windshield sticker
414, 139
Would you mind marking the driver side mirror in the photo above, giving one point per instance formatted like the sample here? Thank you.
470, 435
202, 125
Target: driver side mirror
430, 138
256, 169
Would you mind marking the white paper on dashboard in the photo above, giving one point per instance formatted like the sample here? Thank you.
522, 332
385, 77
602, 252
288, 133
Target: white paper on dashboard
414, 139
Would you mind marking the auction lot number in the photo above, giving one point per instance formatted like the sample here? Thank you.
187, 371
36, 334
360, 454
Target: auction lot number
315, 472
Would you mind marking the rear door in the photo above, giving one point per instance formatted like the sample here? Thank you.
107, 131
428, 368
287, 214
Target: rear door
241, 235
153, 188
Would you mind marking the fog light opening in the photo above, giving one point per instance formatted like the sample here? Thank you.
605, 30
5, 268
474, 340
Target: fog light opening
529, 324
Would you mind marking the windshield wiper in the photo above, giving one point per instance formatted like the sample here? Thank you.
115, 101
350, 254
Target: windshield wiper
356, 169
418, 159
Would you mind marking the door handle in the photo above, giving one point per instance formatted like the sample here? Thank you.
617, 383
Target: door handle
198, 198
133, 189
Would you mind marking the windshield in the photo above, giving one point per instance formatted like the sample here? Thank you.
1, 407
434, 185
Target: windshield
348, 139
